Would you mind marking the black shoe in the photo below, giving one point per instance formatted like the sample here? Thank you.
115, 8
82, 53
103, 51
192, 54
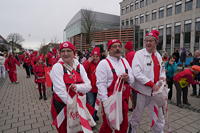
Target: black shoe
45, 98
180, 105
198, 96
16, 82
40, 97
188, 104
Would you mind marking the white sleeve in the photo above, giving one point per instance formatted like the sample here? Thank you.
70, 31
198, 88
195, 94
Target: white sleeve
101, 74
59, 87
130, 73
86, 86
137, 68
162, 69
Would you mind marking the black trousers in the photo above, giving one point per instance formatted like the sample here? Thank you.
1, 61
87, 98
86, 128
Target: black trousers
170, 85
28, 70
179, 92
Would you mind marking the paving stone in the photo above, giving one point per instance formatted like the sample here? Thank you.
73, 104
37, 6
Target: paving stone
12, 120
37, 125
24, 128
30, 121
5, 127
12, 130
45, 129
18, 124
33, 131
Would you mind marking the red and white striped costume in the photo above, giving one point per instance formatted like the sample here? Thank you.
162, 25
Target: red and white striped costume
62, 79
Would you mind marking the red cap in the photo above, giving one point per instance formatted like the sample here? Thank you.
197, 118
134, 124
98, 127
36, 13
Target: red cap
67, 45
111, 42
154, 34
129, 45
96, 51
196, 68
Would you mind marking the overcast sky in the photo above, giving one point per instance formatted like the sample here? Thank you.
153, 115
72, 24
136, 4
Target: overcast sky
44, 20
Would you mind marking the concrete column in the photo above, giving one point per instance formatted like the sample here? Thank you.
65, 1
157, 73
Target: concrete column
192, 36
181, 35
164, 37
172, 39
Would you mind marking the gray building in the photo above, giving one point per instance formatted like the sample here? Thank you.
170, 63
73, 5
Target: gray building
103, 21
178, 22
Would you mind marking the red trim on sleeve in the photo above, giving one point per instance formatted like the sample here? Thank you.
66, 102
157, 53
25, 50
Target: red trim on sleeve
150, 84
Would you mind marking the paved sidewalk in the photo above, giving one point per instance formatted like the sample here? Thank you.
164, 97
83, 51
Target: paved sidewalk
22, 111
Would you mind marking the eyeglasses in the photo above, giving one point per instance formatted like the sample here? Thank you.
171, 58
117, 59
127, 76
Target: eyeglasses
115, 46
68, 51
149, 41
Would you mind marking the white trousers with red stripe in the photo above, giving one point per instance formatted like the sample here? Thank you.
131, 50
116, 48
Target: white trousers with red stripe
156, 116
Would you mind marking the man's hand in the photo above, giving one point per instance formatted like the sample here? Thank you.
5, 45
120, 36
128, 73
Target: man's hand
90, 59
156, 87
73, 87
125, 77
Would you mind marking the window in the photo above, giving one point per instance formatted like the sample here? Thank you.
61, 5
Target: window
127, 9
122, 22
160, 45
154, 14
177, 35
168, 35
197, 30
141, 34
136, 20
153, 1
141, 18
122, 11
188, 5
136, 5
178, 7
148, 2
141, 3
127, 22
161, 12
197, 34
131, 7
198, 4
169, 10
131, 21
147, 16
187, 33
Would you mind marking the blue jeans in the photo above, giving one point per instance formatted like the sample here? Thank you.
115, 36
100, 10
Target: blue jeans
91, 98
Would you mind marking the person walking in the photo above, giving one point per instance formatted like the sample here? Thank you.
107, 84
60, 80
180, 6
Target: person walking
148, 70
107, 73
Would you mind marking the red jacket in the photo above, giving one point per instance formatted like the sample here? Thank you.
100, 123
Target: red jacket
90, 68
39, 73
10, 64
187, 74
27, 60
129, 57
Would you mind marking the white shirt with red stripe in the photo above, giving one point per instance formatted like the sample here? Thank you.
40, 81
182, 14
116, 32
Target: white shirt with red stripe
59, 86
143, 70
105, 76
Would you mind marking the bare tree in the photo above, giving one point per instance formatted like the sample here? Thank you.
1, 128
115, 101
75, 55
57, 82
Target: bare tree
15, 39
88, 23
